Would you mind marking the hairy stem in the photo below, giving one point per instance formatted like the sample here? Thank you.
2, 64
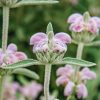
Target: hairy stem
5, 28
47, 81
1, 87
80, 50
4, 43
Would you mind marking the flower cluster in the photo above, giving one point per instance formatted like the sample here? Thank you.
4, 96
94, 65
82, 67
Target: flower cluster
30, 91
74, 84
49, 49
11, 55
10, 91
86, 26
79, 23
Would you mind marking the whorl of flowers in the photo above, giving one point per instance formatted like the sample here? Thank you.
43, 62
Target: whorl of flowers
74, 84
87, 27
49, 47
11, 56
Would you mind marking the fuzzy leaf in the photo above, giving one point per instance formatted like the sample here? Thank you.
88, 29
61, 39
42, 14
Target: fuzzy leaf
77, 62
20, 64
25, 72
33, 2
50, 31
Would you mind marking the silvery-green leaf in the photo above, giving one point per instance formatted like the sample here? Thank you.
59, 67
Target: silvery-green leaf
50, 32
95, 43
20, 64
77, 62
33, 2
25, 72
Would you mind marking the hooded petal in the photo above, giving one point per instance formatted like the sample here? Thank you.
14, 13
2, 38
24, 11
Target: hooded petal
87, 74
11, 48
35, 39
82, 91
62, 80
74, 17
67, 70
97, 20
77, 26
20, 56
64, 37
69, 88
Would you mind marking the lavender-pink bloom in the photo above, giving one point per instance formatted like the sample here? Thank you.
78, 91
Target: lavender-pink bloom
78, 24
74, 17
69, 88
11, 55
65, 38
38, 38
12, 48
31, 90
97, 20
40, 42
82, 91
10, 91
62, 80
67, 70
87, 74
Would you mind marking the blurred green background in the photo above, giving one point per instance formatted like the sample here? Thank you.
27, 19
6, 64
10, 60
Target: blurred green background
26, 21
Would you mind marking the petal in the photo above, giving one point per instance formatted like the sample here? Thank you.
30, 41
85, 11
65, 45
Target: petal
67, 70
21, 56
35, 39
77, 27
11, 58
87, 74
64, 37
69, 88
59, 46
11, 48
82, 91
74, 17
97, 20
93, 28
62, 80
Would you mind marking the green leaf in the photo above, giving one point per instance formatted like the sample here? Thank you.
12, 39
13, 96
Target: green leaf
33, 2
50, 32
77, 62
20, 64
95, 43
25, 72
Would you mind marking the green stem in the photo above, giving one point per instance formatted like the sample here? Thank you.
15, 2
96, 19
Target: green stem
5, 28
79, 55
4, 43
47, 81
80, 50
1, 87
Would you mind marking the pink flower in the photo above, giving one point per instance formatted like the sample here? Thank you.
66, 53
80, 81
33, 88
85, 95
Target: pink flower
62, 80
78, 24
97, 20
74, 17
40, 42
69, 88
10, 91
12, 55
82, 91
67, 70
87, 74
31, 90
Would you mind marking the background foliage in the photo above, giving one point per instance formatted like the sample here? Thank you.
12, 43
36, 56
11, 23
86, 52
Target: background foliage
26, 21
